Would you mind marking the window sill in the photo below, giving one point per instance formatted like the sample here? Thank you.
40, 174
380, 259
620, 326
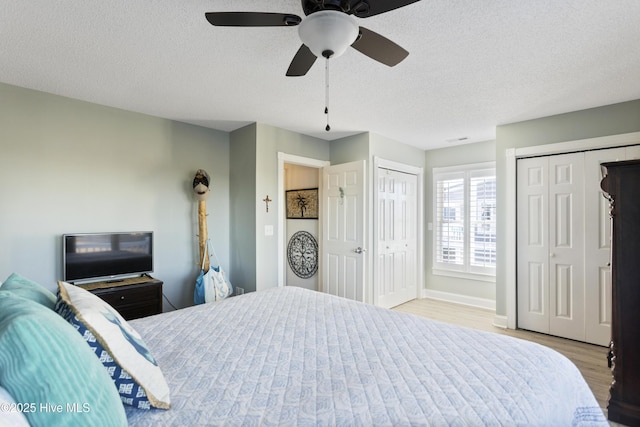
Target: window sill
463, 275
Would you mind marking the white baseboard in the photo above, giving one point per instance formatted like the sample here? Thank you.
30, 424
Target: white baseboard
460, 299
500, 321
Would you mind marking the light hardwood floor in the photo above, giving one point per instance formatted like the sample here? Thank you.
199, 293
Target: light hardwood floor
590, 359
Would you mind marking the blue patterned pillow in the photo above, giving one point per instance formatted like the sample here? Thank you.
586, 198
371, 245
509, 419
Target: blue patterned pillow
119, 347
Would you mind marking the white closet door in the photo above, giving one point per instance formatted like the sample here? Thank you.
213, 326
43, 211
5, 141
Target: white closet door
564, 232
566, 246
396, 273
533, 244
550, 233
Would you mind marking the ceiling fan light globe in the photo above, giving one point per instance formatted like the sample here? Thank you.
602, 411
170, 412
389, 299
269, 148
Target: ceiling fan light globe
328, 30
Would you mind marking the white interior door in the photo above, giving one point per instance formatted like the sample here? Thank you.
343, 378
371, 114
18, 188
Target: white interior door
566, 246
397, 238
550, 235
343, 230
533, 244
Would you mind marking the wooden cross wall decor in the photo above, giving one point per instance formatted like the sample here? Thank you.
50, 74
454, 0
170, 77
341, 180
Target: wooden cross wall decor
266, 201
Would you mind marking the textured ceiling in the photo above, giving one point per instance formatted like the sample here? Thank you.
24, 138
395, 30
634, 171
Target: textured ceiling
472, 65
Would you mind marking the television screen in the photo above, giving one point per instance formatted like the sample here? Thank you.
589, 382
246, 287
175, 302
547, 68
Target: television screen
106, 255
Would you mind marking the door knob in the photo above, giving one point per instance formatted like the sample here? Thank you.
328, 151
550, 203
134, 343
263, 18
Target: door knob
359, 250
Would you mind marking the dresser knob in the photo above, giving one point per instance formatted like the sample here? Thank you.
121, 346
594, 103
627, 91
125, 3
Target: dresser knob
121, 297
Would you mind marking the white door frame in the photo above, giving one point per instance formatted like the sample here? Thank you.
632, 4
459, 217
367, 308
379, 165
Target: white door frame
413, 170
295, 160
512, 154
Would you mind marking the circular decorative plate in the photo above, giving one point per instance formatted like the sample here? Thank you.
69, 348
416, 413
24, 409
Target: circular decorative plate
302, 253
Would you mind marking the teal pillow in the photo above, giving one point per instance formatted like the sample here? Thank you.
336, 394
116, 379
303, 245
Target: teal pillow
45, 362
29, 289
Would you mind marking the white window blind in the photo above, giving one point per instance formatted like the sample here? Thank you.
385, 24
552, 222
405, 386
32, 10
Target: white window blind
465, 219
450, 219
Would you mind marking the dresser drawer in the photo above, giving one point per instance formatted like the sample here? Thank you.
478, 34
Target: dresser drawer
136, 311
135, 300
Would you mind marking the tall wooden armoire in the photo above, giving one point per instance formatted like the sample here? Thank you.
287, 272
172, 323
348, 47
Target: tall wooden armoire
622, 184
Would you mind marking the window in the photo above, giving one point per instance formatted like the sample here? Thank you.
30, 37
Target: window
465, 220
449, 213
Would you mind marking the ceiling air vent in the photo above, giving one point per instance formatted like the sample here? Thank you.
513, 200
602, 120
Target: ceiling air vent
461, 139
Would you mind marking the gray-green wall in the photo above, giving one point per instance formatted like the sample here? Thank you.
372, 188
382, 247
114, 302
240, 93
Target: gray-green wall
389, 149
271, 141
70, 166
242, 178
254, 176
350, 149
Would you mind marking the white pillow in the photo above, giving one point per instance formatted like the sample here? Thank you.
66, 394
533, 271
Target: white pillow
119, 347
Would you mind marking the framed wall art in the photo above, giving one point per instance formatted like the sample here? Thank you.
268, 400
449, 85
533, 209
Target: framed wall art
302, 204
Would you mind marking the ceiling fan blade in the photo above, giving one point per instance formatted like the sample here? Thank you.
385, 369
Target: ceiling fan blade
252, 19
302, 62
379, 48
376, 7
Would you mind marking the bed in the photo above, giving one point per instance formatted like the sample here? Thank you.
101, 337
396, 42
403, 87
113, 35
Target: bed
294, 357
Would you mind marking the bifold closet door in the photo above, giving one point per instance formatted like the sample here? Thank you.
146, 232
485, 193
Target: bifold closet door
566, 246
533, 244
564, 275
550, 233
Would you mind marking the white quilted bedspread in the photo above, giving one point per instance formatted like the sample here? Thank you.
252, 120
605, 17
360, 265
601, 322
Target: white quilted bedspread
292, 357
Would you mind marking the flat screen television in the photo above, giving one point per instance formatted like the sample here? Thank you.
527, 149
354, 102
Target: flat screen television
104, 256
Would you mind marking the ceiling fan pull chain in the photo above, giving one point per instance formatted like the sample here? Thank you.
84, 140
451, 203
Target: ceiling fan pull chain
326, 92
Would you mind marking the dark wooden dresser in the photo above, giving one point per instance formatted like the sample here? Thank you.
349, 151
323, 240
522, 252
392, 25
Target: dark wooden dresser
622, 184
132, 298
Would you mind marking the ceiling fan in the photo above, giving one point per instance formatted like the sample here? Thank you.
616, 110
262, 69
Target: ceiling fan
328, 30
